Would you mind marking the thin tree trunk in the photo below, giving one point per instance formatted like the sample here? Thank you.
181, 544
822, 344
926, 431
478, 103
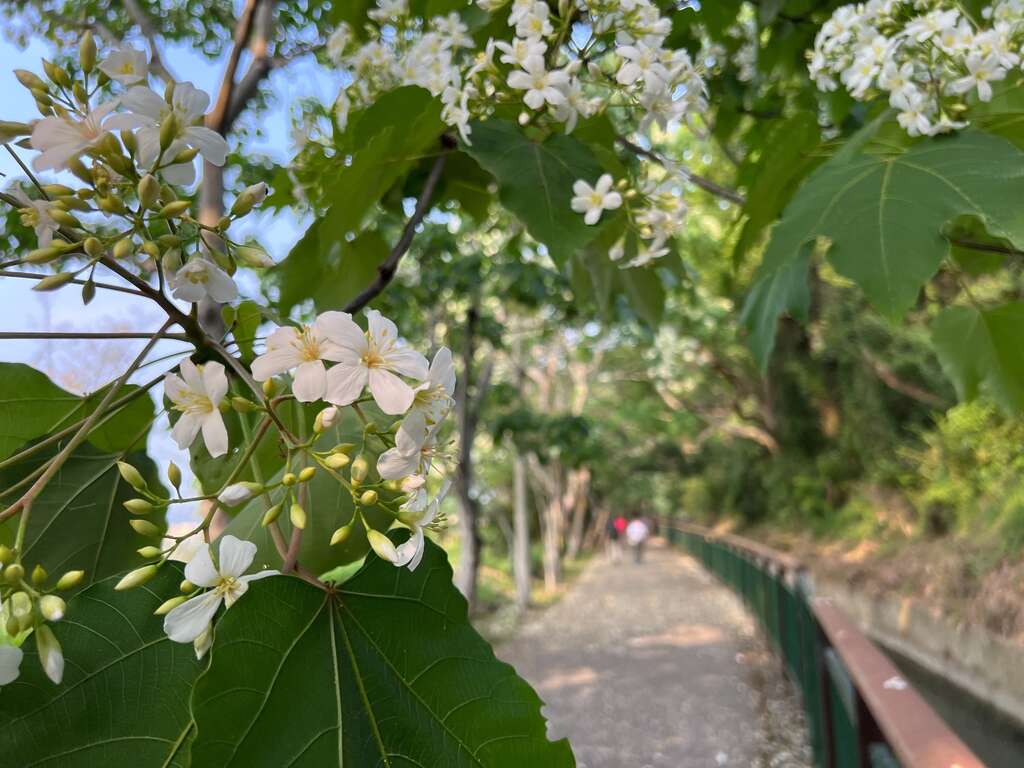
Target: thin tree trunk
469, 510
521, 532
552, 532
581, 493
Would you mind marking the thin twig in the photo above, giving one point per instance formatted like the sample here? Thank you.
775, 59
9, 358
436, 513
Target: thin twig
386, 270
24, 504
217, 118
88, 335
698, 181
975, 245
38, 276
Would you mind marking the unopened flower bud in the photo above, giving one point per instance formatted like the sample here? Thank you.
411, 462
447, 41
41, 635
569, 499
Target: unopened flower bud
186, 155
70, 580
138, 577
242, 405
64, 218
80, 94
52, 607
169, 605
173, 475
251, 256
337, 460
368, 499
382, 545
250, 197
341, 535
176, 208
326, 419
149, 552
57, 74
39, 575
171, 261
43, 255
53, 282
168, 131
186, 586
14, 573
51, 656
307, 474
145, 528
87, 52
360, 469
131, 475
270, 388
236, 493
10, 130
123, 248
30, 80
21, 604
151, 249
129, 141
297, 515
93, 247
271, 515
289, 479
138, 506
7, 555
13, 626
148, 191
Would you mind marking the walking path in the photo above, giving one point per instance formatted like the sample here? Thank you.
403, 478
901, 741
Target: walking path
656, 666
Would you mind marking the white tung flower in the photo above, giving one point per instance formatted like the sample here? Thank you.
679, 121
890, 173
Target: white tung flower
414, 449
126, 65
10, 663
417, 513
190, 622
434, 396
61, 138
373, 359
36, 214
197, 394
200, 278
540, 85
304, 349
148, 111
592, 200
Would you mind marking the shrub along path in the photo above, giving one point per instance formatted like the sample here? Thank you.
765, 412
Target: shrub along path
656, 665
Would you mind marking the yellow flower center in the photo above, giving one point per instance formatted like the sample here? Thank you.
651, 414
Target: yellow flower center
309, 345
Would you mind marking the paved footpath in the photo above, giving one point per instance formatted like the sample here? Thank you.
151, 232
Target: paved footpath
656, 666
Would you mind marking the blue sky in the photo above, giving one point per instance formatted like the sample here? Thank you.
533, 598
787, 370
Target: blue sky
27, 310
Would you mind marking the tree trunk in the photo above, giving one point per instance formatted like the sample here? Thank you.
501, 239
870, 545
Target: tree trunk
552, 532
469, 510
580, 481
521, 532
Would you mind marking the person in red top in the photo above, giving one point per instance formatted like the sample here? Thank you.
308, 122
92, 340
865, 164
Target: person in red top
615, 531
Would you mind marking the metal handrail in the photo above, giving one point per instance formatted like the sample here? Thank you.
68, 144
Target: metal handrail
861, 711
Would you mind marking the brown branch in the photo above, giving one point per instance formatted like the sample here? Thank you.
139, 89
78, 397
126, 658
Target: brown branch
76, 281
149, 31
217, 118
698, 181
386, 270
12, 335
894, 382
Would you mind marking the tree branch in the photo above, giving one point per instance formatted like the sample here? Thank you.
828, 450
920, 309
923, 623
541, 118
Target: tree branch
698, 181
149, 31
217, 118
894, 382
76, 281
975, 245
12, 335
386, 270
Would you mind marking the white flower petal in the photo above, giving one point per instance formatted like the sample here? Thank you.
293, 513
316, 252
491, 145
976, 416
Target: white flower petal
407, 362
189, 620
345, 383
200, 570
185, 430
211, 145
215, 382
340, 328
215, 434
392, 395
310, 382
236, 555
10, 663
394, 465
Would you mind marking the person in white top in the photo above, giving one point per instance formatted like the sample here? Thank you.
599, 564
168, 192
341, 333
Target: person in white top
637, 533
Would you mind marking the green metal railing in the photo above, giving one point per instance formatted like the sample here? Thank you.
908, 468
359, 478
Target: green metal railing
861, 713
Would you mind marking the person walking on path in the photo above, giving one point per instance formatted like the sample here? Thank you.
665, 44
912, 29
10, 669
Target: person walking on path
637, 533
613, 536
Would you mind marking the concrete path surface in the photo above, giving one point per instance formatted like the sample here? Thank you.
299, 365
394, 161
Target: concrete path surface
656, 666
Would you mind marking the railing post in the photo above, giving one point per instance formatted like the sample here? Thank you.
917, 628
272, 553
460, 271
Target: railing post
824, 698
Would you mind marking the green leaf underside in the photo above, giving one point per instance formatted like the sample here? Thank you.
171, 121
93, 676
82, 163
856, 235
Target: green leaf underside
980, 352
124, 699
883, 215
85, 497
535, 181
32, 406
385, 672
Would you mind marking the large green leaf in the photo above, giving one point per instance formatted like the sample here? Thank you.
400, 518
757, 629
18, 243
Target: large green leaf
32, 406
535, 181
980, 351
78, 521
881, 215
329, 270
386, 671
124, 698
